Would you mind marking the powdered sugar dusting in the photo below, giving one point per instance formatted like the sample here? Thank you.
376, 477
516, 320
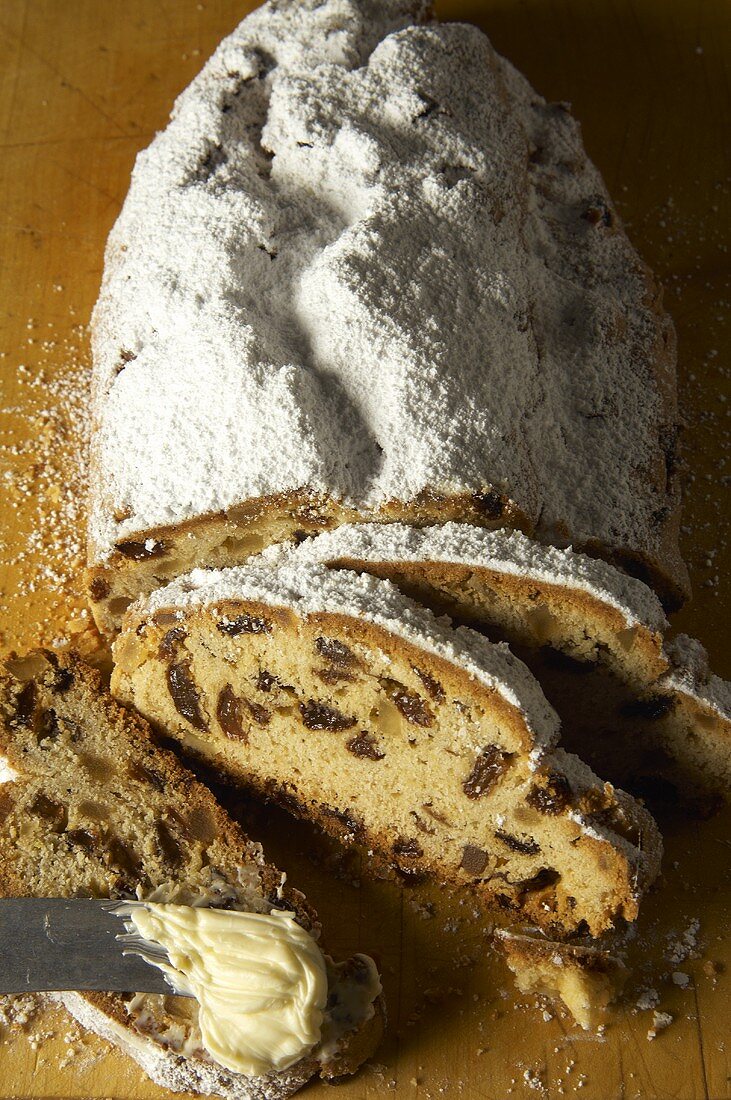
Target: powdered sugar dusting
311, 588
365, 259
502, 551
692, 675
44, 429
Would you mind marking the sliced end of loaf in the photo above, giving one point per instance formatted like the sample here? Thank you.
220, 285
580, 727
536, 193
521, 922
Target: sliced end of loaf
92, 806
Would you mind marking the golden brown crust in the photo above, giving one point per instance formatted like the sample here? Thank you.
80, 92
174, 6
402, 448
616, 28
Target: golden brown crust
473, 594
220, 540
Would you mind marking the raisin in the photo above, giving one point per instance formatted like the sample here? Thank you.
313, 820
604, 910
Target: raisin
408, 848
318, 716
83, 838
48, 727
49, 810
434, 814
652, 707
63, 678
169, 846
365, 746
99, 589
201, 825
334, 651
142, 551
414, 709
547, 876
122, 857
166, 618
490, 504
474, 860
229, 713
25, 705
185, 694
171, 640
259, 713
336, 674
410, 875
550, 794
144, 774
525, 847
244, 624
433, 687
487, 769
421, 825
265, 681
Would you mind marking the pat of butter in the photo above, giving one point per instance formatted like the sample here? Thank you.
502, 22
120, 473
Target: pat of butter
259, 980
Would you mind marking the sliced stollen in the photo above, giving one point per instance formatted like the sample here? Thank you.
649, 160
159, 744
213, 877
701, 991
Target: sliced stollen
351, 705
91, 806
410, 298
644, 712
586, 979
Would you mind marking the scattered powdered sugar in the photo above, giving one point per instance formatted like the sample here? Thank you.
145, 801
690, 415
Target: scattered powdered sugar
44, 429
501, 551
309, 588
365, 259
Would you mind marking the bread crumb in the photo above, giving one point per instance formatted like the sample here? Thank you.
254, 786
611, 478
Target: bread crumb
660, 1021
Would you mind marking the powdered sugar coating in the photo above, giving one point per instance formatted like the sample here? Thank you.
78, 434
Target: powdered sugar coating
691, 675
366, 260
503, 551
309, 588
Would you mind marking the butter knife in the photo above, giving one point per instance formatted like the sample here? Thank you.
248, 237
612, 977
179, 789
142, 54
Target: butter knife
56, 944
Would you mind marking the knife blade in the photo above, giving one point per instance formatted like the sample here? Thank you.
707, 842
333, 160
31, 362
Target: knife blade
57, 944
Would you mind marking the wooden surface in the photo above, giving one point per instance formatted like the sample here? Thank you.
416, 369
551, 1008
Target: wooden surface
83, 86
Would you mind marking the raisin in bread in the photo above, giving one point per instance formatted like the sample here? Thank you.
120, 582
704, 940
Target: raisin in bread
410, 298
353, 706
644, 712
90, 805
586, 979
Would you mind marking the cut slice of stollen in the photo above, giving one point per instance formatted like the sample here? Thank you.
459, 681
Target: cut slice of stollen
92, 806
645, 712
355, 707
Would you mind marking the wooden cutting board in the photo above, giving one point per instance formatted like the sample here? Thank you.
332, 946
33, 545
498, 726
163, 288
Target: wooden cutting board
83, 86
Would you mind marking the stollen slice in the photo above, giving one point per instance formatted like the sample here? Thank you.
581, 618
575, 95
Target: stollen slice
92, 806
587, 979
646, 712
353, 706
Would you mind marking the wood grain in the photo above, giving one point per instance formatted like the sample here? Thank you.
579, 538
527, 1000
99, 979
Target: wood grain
83, 86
